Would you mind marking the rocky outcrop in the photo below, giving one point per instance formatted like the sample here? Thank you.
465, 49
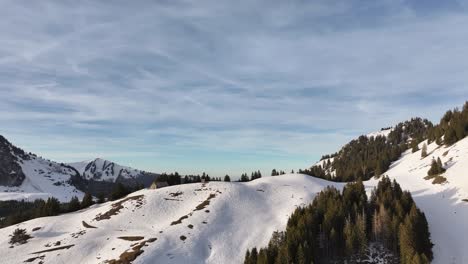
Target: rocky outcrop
11, 173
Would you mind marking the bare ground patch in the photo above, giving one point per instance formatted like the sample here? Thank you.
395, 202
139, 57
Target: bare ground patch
172, 199
34, 259
205, 203
87, 225
176, 194
436, 179
116, 207
180, 220
130, 255
131, 238
53, 249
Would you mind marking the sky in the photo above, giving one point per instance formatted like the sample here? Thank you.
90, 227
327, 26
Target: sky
219, 86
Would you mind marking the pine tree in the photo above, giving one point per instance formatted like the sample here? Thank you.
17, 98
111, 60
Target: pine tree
247, 259
254, 256
414, 146
51, 207
227, 178
87, 200
74, 204
118, 191
424, 151
361, 233
101, 198
301, 259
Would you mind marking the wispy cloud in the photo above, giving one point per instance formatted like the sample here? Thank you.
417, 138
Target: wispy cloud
155, 83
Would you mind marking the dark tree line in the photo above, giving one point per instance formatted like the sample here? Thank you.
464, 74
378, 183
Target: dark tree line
339, 226
176, 179
452, 127
366, 157
13, 212
253, 176
274, 172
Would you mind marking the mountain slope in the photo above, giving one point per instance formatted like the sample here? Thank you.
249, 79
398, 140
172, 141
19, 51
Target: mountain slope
104, 170
26, 176
236, 217
443, 204
220, 221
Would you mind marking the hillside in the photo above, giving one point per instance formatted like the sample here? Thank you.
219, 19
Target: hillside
232, 217
443, 204
28, 176
105, 170
219, 220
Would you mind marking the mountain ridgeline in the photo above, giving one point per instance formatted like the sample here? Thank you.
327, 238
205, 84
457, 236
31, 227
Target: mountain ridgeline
22, 172
11, 173
366, 157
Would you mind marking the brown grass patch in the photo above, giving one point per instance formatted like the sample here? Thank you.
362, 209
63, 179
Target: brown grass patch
36, 228
183, 238
116, 207
34, 258
436, 179
131, 238
205, 203
171, 199
179, 221
87, 225
439, 180
176, 194
130, 255
53, 249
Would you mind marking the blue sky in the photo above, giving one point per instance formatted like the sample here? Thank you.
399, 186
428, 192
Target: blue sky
223, 86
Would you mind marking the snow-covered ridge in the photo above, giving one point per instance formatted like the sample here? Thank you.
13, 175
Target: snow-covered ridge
44, 178
28, 176
237, 216
104, 170
187, 228
383, 133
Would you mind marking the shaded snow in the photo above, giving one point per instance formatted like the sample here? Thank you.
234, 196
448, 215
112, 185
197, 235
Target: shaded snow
446, 213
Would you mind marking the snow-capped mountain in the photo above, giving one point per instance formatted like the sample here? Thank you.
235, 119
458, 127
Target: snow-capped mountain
27, 176
217, 222
104, 170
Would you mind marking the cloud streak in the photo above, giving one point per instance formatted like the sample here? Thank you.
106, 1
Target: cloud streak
155, 83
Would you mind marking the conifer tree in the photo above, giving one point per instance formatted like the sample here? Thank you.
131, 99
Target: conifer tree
74, 204
87, 200
414, 146
424, 151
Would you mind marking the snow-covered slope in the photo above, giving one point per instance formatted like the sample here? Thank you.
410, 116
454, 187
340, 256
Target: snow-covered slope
194, 223
218, 221
104, 170
43, 179
443, 205
383, 133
